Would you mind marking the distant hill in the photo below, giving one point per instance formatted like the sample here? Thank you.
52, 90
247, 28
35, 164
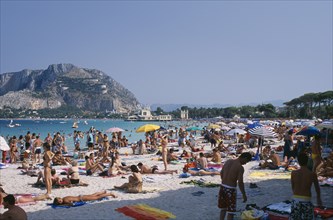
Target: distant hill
172, 107
64, 84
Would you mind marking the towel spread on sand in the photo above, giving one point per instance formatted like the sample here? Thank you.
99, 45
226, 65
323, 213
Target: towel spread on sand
143, 211
270, 175
201, 183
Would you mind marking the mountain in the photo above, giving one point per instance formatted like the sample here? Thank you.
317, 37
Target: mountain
64, 84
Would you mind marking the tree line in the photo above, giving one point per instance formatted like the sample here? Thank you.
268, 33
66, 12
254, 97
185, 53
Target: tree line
307, 106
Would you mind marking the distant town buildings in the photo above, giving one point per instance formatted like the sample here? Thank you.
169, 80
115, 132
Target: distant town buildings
184, 114
145, 115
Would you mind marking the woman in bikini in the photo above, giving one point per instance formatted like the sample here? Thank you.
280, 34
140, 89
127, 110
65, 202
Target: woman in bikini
134, 184
316, 152
69, 200
47, 158
91, 166
21, 198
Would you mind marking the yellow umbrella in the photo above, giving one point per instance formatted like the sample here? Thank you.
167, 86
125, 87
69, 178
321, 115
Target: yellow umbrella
147, 128
213, 126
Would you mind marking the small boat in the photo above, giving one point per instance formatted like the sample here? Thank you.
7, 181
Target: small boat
75, 125
11, 125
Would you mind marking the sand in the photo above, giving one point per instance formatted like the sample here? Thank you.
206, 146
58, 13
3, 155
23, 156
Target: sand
170, 195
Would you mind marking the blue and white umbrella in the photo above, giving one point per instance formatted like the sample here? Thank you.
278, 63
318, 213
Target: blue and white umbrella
325, 124
262, 131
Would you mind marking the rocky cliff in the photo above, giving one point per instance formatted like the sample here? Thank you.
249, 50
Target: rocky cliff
64, 84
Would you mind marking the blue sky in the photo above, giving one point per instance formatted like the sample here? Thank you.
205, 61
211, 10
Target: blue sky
194, 52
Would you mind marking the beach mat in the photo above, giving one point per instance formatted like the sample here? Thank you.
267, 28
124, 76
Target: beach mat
143, 211
267, 174
201, 183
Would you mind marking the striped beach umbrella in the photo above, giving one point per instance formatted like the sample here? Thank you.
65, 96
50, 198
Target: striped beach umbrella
262, 131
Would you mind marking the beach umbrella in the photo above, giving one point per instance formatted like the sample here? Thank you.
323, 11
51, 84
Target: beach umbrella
262, 131
254, 125
213, 126
232, 124
194, 128
308, 131
3, 144
325, 124
225, 128
114, 129
147, 128
220, 123
235, 131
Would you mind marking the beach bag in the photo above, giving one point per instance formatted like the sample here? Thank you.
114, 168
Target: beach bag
252, 214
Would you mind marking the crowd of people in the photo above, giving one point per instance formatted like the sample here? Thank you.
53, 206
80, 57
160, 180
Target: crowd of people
101, 151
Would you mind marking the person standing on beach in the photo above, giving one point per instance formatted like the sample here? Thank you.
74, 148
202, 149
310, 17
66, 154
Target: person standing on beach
231, 173
316, 152
301, 183
288, 143
47, 158
164, 143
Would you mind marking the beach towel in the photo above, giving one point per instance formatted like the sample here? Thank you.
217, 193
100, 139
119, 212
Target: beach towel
269, 174
76, 204
3, 165
156, 178
201, 183
323, 212
278, 211
143, 211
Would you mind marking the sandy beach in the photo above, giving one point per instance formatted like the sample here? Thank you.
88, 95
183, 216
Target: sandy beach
164, 192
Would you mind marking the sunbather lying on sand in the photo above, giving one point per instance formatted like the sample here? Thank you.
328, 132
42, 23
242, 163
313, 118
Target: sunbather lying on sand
69, 200
23, 199
144, 169
200, 172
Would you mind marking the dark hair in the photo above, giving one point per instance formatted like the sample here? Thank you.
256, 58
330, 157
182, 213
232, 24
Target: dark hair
47, 145
140, 164
246, 155
53, 171
9, 199
56, 201
86, 157
134, 169
302, 159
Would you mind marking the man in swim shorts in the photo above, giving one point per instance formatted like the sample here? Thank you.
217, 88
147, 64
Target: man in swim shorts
231, 174
301, 182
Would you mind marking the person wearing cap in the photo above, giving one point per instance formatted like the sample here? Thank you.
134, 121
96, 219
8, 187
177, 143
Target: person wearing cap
14, 212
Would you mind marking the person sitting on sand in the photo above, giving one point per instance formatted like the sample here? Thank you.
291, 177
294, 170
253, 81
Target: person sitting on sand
23, 199
134, 184
54, 178
14, 212
202, 162
272, 162
200, 172
69, 200
58, 159
91, 166
325, 168
171, 156
73, 173
144, 169
185, 154
216, 156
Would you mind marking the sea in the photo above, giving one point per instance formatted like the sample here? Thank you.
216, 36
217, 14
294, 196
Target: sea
44, 126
